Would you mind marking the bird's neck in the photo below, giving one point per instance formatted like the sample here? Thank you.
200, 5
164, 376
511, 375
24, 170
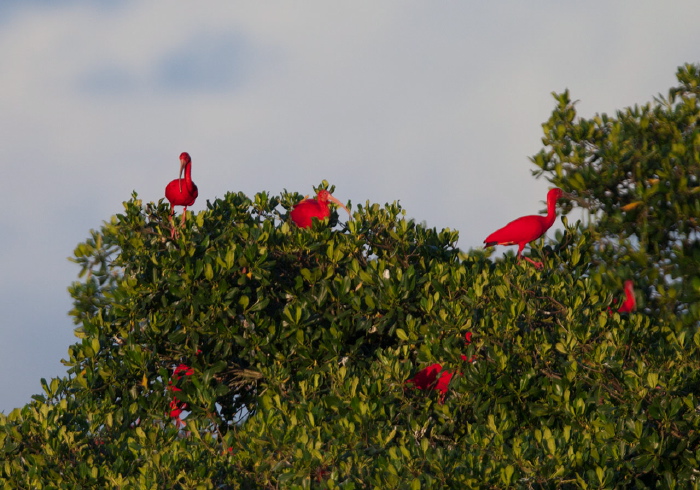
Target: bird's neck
551, 212
188, 175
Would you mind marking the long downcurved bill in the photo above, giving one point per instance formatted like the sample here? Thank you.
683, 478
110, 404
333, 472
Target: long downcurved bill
182, 169
333, 199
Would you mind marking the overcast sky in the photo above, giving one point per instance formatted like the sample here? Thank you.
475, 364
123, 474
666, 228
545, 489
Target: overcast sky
436, 104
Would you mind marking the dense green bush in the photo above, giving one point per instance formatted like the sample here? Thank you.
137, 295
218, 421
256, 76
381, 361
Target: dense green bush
248, 353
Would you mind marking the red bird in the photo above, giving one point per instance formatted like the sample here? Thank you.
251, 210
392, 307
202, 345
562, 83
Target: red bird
177, 406
427, 378
630, 303
526, 229
307, 209
182, 192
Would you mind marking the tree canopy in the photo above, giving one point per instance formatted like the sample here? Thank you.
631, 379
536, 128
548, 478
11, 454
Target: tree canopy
246, 352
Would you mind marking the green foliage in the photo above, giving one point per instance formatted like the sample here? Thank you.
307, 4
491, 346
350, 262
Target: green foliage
288, 351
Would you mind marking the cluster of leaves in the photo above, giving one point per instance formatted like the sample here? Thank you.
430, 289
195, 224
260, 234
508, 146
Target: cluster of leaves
249, 353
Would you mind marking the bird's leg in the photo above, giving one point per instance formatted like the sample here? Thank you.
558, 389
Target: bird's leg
173, 233
184, 216
538, 265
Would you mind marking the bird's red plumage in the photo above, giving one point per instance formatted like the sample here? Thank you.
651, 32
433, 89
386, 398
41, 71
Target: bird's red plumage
186, 197
630, 302
306, 210
522, 230
425, 379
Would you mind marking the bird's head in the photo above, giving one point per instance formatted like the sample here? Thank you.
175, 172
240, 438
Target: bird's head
324, 196
184, 161
555, 194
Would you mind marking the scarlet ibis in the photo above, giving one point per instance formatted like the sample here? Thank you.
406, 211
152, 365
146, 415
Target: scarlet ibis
427, 378
307, 209
176, 409
176, 405
182, 192
630, 303
527, 229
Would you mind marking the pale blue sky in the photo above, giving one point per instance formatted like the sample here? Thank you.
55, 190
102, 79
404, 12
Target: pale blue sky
437, 105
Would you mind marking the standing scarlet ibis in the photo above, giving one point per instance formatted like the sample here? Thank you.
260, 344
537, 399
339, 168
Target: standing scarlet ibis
307, 209
526, 229
182, 192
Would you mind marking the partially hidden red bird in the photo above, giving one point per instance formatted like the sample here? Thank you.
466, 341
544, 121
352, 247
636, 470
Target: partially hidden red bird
427, 379
303, 212
630, 303
434, 378
526, 229
182, 192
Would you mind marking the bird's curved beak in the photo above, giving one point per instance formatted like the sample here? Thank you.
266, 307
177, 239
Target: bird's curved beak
182, 169
333, 199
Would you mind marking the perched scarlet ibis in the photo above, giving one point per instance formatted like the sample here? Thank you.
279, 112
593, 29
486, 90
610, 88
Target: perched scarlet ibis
526, 229
182, 192
427, 378
630, 303
307, 209
177, 406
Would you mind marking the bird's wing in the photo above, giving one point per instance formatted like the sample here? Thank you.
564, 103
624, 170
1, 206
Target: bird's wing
522, 230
